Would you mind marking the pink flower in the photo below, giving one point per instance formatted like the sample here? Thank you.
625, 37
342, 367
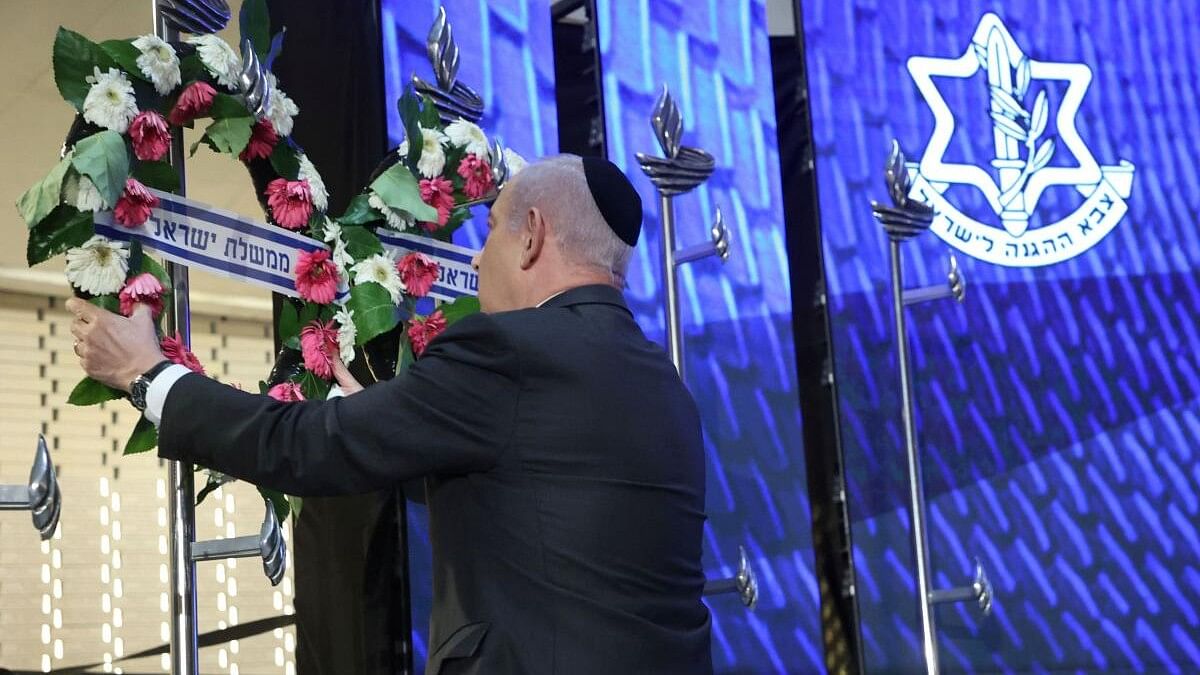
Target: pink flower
438, 193
133, 208
150, 136
422, 331
195, 101
173, 349
262, 142
418, 272
145, 288
477, 174
319, 345
288, 392
316, 276
290, 201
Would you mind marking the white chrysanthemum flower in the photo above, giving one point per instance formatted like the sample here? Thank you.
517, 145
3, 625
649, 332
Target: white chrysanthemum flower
396, 219
380, 268
514, 161
347, 332
469, 136
158, 62
340, 256
110, 102
219, 58
99, 266
283, 108
403, 149
308, 172
87, 196
433, 158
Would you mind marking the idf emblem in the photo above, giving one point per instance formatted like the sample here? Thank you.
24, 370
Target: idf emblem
1033, 152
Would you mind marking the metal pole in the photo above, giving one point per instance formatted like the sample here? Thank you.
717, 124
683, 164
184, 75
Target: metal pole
666, 209
181, 491
916, 494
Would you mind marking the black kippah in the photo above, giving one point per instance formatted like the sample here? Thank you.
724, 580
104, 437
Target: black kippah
618, 202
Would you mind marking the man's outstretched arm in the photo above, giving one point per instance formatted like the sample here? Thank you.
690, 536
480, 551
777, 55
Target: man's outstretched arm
452, 411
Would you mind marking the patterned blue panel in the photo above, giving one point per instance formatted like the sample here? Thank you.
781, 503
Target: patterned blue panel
508, 58
714, 55
1058, 406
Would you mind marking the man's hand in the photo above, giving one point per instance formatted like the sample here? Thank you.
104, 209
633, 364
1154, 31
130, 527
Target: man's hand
345, 381
111, 348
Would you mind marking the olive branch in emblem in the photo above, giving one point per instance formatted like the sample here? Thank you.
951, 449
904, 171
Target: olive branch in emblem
1016, 124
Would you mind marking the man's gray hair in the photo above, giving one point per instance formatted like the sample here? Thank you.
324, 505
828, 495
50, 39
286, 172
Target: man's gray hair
558, 187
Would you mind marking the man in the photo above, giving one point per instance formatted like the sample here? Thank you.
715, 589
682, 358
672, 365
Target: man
562, 454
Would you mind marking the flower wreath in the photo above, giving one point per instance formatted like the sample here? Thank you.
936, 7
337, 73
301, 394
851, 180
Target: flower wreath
131, 94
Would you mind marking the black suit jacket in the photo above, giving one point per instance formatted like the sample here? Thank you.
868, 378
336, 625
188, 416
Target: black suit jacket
565, 475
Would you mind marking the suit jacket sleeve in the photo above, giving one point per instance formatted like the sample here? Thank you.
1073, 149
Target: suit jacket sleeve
452, 411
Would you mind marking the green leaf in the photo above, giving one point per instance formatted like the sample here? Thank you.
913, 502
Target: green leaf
255, 23
410, 115
359, 212
230, 135
407, 358
92, 392
462, 307
289, 322
285, 160
296, 503
39, 200
64, 228
313, 387
191, 68
75, 57
398, 188
125, 55
374, 312
360, 242
107, 302
143, 438
158, 175
102, 157
204, 140
279, 502
225, 106
308, 313
430, 118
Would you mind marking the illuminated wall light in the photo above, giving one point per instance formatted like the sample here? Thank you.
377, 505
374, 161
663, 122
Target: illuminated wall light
165, 661
233, 616
164, 576
56, 559
277, 601
104, 515
223, 658
233, 669
116, 502
116, 559
221, 604
162, 517
105, 573
105, 603
162, 544
58, 649
106, 632
57, 618
45, 633
234, 646
160, 488
57, 589
45, 573
45, 603
117, 588
118, 647
232, 587
289, 668
45, 663
118, 617
279, 656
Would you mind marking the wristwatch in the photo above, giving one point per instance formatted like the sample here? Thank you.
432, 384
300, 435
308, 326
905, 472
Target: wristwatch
139, 387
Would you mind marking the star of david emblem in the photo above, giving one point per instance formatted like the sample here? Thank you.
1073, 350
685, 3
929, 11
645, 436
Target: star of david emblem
1025, 139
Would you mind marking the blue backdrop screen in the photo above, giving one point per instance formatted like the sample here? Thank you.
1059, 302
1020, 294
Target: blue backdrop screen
508, 58
714, 55
1057, 407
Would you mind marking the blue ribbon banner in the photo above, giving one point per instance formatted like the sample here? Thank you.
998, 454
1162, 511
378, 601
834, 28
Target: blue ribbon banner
202, 237
457, 277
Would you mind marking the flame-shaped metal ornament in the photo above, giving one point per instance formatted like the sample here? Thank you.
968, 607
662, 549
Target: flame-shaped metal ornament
907, 217
268, 544
198, 17
452, 98
254, 82
744, 583
40, 495
681, 168
719, 246
272, 547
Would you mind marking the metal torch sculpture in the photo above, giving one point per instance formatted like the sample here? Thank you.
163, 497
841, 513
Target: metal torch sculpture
906, 218
680, 170
200, 17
